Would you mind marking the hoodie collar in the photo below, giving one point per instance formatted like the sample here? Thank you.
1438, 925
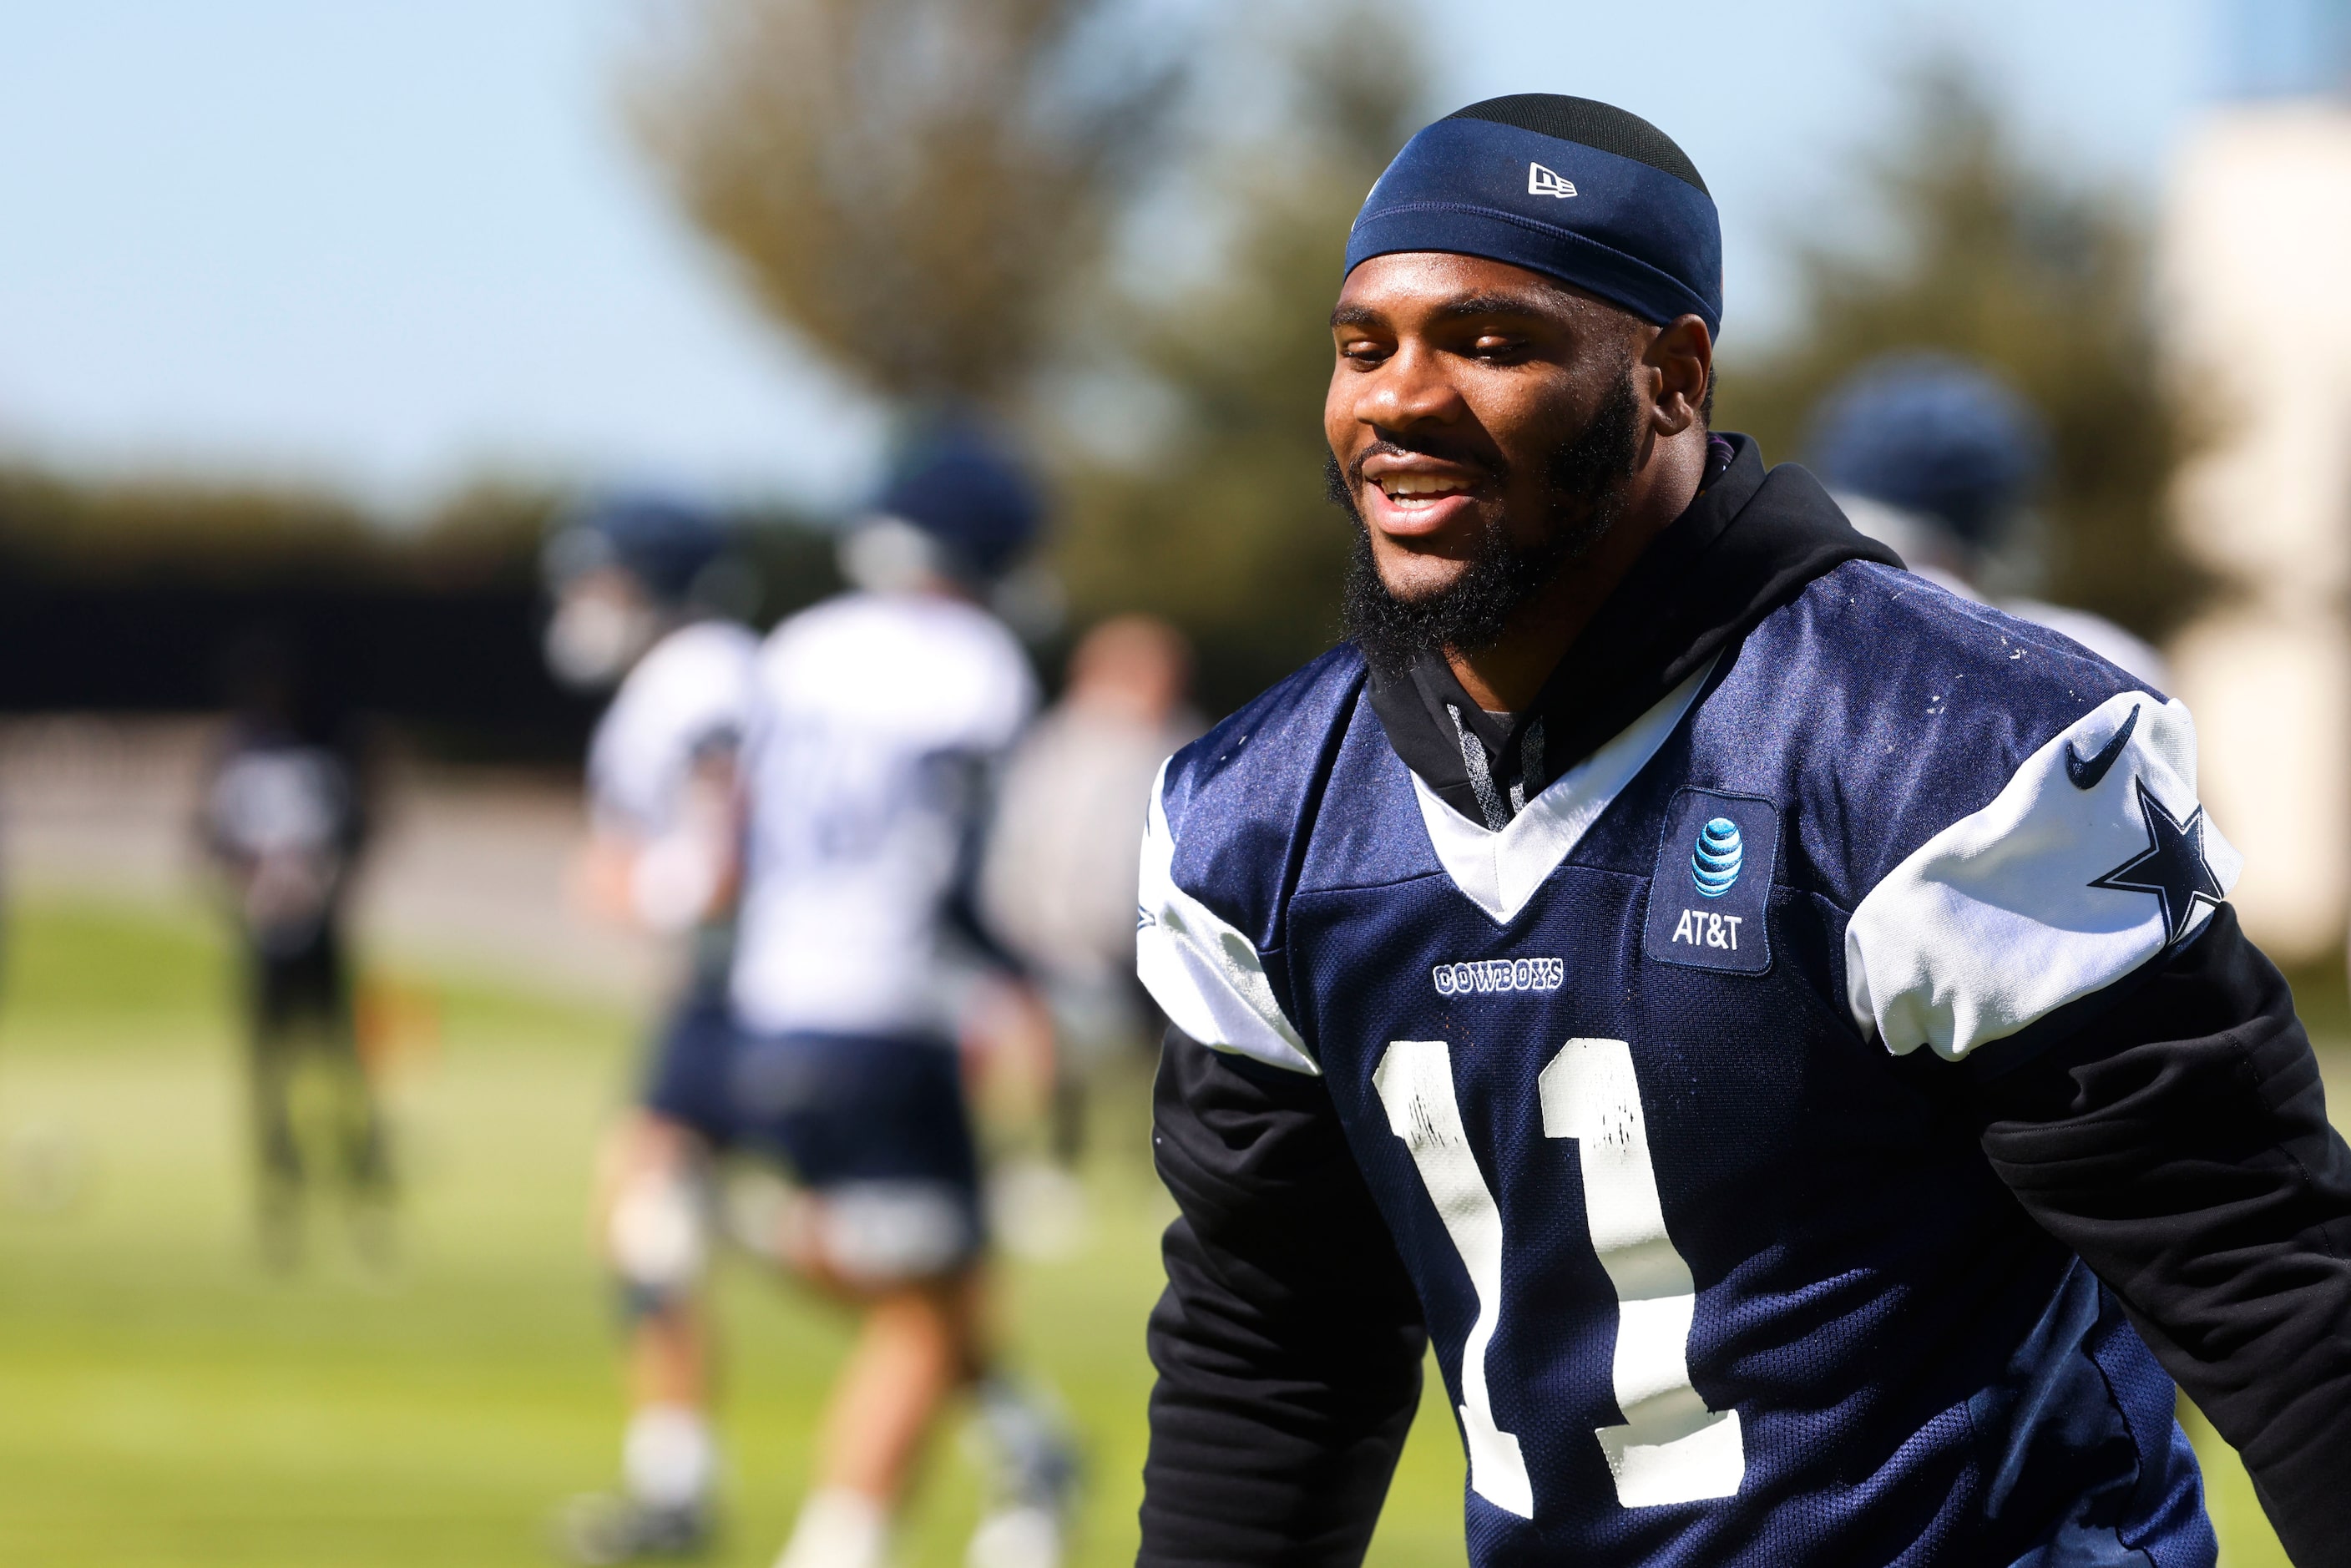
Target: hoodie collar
1747, 544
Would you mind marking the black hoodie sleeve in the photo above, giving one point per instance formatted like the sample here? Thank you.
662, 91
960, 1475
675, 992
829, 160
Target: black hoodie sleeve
1289, 1340
2180, 1143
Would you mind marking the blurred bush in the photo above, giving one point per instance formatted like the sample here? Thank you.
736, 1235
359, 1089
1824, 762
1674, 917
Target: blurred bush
1994, 254
125, 597
121, 531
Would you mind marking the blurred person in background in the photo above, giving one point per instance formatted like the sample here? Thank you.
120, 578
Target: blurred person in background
1932, 456
283, 822
1061, 873
880, 719
632, 581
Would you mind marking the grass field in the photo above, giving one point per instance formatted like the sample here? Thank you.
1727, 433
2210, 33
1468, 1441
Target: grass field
165, 1401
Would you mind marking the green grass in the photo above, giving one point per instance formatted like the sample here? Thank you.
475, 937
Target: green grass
165, 1401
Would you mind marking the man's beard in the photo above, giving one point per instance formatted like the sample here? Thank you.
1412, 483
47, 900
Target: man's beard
1585, 483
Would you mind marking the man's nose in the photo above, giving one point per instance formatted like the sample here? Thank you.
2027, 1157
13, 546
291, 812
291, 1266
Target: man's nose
1412, 389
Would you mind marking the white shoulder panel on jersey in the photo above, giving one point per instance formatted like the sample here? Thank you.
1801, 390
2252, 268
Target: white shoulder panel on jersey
2094, 858
1499, 871
693, 687
1206, 976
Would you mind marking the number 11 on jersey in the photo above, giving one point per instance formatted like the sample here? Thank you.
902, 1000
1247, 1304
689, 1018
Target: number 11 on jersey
1670, 1447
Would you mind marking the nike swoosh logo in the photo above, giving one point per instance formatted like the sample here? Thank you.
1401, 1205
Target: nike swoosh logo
2085, 772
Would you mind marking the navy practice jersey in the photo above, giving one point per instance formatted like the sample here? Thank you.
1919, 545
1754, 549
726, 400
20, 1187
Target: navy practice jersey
1656, 1088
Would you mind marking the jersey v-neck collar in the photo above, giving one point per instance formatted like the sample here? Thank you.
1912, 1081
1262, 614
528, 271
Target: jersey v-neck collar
1499, 869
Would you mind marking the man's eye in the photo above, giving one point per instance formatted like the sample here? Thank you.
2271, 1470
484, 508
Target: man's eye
1362, 348
1493, 346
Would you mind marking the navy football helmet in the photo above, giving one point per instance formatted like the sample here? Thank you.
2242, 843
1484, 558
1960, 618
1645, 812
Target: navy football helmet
1936, 436
967, 491
664, 544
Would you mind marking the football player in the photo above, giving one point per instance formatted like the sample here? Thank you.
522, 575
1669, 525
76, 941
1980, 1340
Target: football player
632, 579
285, 823
880, 719
1774, 1026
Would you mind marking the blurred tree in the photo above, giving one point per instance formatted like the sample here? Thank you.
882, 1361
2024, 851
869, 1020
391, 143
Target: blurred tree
918, 188
1222, 525
2047, 284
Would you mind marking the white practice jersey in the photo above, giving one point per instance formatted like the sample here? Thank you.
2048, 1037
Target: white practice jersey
691, 692
876, 720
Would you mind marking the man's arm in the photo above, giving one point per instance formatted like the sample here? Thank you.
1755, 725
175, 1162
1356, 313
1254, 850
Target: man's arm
671, 879
969, 782
2180, 1143
1288, 1341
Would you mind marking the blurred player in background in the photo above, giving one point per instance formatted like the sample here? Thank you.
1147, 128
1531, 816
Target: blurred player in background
881, 718
283, 822
633, 580
1932, 456
1060, 873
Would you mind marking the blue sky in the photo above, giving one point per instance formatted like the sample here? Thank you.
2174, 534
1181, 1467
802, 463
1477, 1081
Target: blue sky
388, 244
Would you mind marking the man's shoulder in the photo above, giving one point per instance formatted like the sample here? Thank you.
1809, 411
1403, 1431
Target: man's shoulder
1892, 708
695, 664
860, 621
1896, 633
1873, 671
2010, 822
711, 639
1220, 845
1266, 757
916, 662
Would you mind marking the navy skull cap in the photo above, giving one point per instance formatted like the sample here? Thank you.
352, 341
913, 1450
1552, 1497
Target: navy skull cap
1573, 189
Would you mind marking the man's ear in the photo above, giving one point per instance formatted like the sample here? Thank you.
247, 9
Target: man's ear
1682, 355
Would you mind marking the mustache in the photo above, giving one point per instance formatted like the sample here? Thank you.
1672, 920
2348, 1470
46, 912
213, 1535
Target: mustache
1489, 470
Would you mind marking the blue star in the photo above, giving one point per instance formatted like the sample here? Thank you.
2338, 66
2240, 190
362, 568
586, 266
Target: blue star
2172, 867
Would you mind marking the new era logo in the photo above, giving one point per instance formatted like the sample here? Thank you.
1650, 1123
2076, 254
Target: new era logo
1541, 182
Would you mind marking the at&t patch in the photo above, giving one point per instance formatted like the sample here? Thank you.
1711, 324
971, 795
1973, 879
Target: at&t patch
1713, 884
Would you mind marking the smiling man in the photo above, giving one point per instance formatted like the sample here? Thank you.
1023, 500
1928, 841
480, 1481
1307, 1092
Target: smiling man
1774, 1026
